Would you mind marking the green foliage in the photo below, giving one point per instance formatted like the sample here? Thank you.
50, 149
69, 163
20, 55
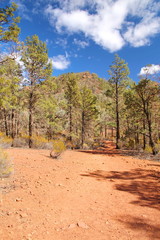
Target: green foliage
88, 104
38, 69
148, 149
58, 148
89, 111
41, 142
9, 30
72, 90
119, 72
6, 167
5, 141
10, 77
119, 80
72, 96
35, 59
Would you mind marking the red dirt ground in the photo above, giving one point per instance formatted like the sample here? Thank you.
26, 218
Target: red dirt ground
82, 196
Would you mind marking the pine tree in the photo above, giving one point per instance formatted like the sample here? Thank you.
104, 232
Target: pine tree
147, 92
119, 72
9, 30
72, 96
10, 77
89, 111
38, 68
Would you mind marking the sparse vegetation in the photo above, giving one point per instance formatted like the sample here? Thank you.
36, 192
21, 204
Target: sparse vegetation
6, 167
58, 148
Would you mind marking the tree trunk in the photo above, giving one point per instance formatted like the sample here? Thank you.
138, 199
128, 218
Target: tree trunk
117, 119
17, 124
5, 122
70, 123
149, 121
83, 130
30, 120
144, 135
13, 118
13, 130
105, 131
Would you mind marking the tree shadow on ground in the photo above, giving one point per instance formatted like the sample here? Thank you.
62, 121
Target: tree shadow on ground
109, 148
145, 184
154, 165
141, 225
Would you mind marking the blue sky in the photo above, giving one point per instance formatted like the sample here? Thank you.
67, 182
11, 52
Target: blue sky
84, 35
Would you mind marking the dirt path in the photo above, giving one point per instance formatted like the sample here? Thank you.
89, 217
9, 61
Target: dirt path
82, 196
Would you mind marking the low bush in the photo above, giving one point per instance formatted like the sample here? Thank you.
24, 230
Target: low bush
6, 167
148, 149
20, 142
5, 142
58, 148
41, 142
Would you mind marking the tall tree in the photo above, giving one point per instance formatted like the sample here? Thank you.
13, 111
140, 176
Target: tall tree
38, 68
88, 110
134, 119
119, 72
148, 92
72, 96
10, 77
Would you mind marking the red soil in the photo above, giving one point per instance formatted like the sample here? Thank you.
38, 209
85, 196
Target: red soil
83, 196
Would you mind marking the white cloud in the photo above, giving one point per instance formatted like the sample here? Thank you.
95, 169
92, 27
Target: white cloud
150, 70
62, 42
110, 23
80, 43
19, 61
60, 62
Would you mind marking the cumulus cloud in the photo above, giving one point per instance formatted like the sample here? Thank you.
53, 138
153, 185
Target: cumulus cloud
150, 69
80, 43
110, 23
60, 62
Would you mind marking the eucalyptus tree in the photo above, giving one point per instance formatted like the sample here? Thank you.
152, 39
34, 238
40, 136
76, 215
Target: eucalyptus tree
119, 72
37, 68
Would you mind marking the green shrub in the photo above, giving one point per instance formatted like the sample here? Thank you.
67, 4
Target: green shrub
58, 148
148, 149
6, 167
5, 141
41, 142
158, 146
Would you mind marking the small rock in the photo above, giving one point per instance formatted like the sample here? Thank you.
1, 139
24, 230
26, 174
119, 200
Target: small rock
18, 199
111, 180
9, 213
59, 185
73, 225
82, 225
144, 216
23, 215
